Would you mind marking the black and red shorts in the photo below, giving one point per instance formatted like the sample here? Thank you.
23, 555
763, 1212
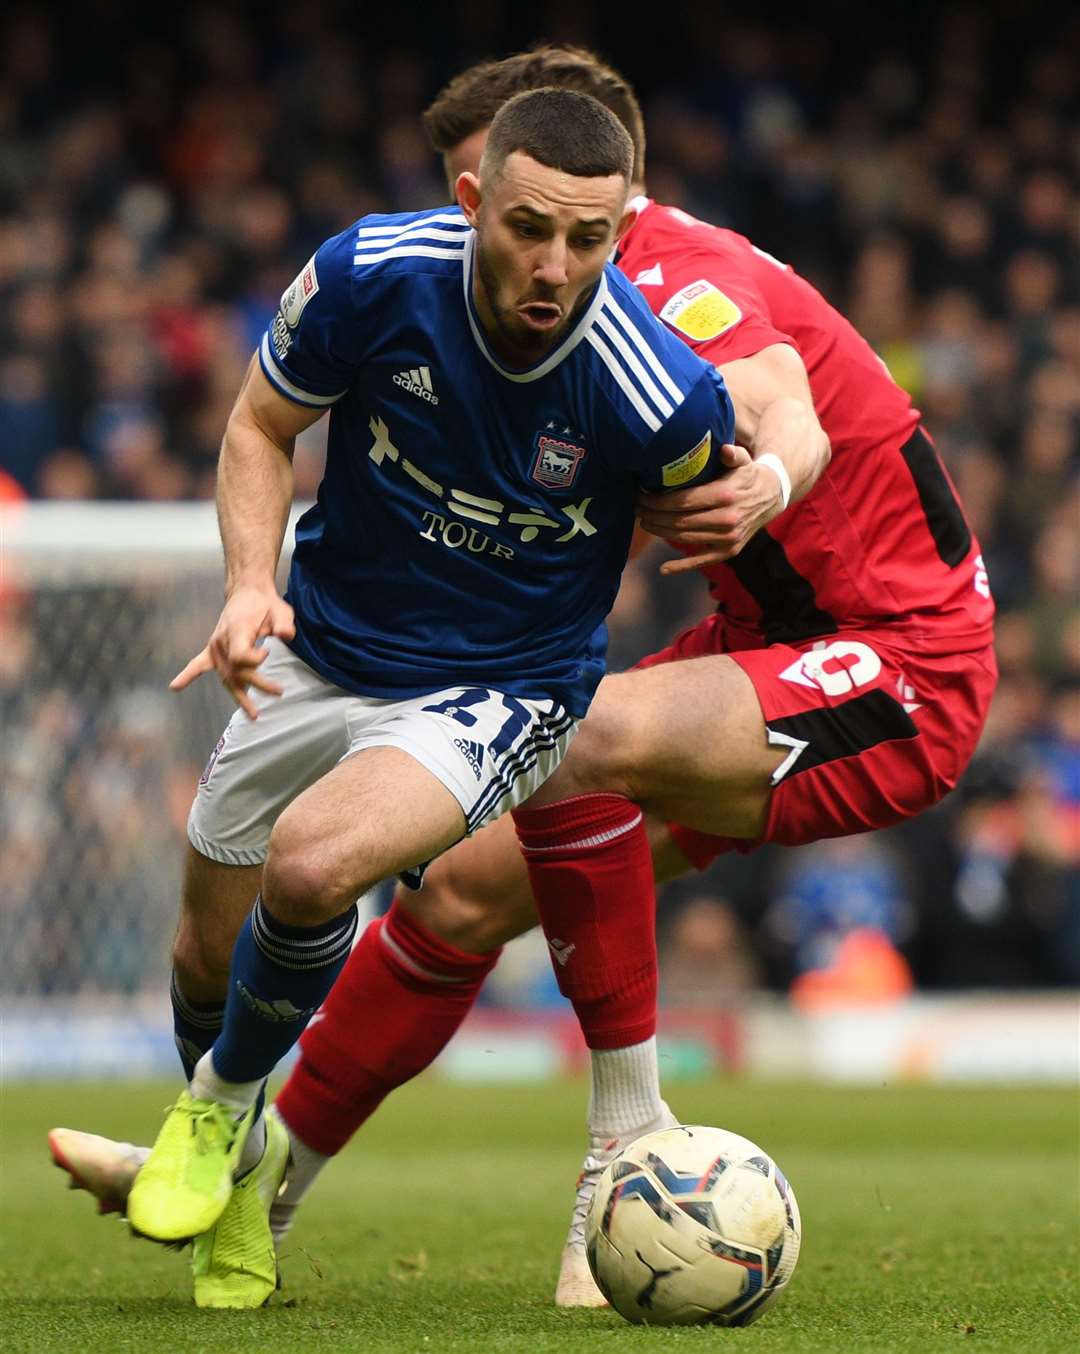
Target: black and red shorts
878, 731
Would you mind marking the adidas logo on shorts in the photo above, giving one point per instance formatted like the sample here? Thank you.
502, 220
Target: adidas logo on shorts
473, 754
417, 381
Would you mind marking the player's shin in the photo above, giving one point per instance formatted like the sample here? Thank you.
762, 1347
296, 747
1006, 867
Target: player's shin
280, 975
591, 873
196, 1024
399, 999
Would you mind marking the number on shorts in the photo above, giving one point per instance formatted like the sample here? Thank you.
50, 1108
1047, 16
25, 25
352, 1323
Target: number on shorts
457, 706
864, 668
519, 717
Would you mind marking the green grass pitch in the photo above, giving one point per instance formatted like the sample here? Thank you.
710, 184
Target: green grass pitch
934, 1220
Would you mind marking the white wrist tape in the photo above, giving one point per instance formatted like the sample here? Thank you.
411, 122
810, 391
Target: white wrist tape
776, 465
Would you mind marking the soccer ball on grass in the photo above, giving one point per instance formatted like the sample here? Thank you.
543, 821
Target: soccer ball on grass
692, 1226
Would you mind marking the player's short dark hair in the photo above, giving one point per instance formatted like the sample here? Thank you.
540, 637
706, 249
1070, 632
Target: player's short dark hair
562, 129
471, 100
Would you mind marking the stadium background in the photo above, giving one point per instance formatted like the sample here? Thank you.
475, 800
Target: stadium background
163, 176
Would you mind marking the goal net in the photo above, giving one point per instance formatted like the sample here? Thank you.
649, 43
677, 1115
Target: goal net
100, 605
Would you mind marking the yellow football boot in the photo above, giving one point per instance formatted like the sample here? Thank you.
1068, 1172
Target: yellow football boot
187, 1179
234, 1262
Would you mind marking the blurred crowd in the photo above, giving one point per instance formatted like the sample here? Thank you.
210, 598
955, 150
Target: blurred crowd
164, 175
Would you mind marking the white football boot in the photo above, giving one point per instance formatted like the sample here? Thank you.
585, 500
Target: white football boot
576, 1286
104, 1168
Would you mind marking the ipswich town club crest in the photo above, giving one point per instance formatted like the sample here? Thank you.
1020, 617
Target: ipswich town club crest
557, 460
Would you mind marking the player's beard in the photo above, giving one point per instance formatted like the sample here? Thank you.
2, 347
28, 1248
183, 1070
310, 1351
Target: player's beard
524, 345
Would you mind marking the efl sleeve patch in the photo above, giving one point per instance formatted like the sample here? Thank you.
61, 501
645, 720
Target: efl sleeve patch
701, 311
296, 296
686, 467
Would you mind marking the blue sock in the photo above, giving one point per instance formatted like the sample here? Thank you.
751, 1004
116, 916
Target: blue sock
280, 975
196, 1024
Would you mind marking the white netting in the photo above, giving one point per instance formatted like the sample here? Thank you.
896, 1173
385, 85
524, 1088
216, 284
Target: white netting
99, 606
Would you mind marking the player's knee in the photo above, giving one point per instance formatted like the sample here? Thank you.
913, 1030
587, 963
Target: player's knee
304, 880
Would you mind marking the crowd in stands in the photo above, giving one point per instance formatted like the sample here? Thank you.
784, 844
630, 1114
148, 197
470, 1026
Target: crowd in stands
159, 191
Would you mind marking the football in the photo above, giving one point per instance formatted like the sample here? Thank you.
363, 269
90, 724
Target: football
692, 1226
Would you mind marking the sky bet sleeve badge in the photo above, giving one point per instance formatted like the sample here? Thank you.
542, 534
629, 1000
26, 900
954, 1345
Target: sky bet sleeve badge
692, 463
701, 311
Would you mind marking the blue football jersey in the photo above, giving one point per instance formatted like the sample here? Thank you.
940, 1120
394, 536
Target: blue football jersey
473, 519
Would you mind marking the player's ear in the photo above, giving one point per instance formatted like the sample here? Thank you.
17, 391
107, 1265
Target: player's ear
467, 192
628, 219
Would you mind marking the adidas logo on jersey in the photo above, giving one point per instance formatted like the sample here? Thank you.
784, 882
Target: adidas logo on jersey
417, 381
473, 754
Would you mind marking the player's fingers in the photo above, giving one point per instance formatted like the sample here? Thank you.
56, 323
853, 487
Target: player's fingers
700, 529
248, 674
283, 624
662, 529
238, 691
710, 540
246, 656
734, 455
692, 562
256, 679
202, 662
672, 523
698, 498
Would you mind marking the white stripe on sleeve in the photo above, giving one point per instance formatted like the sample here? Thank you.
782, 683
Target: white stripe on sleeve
629, 389
411, 251
642, 345
662, 403
294, 392
422, 223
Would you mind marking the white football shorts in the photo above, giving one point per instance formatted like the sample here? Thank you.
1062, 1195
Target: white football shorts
490, 750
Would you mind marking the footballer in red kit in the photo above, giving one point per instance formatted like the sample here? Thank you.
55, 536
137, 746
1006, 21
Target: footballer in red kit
862, 615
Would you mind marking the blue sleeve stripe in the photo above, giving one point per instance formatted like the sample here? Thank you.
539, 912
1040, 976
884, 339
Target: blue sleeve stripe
630, 359
422, 223
408, 251
647, 351
647, 416
278, 379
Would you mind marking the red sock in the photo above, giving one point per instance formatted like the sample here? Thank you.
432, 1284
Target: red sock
398, 1000
591, 874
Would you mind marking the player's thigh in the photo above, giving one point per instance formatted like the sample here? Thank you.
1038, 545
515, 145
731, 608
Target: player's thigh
686, 740
876, 731
259, 766
377, 813
474, 750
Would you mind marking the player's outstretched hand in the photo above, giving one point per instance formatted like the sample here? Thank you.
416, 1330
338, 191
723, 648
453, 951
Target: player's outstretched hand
250, 615
715, 519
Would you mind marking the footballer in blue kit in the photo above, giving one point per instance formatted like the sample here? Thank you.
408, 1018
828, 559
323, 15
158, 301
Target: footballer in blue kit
474, 517
498, 397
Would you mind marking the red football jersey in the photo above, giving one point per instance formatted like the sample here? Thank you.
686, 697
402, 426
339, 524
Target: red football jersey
881, 539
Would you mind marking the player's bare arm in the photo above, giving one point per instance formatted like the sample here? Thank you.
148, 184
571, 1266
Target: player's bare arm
782, 444
253, 496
